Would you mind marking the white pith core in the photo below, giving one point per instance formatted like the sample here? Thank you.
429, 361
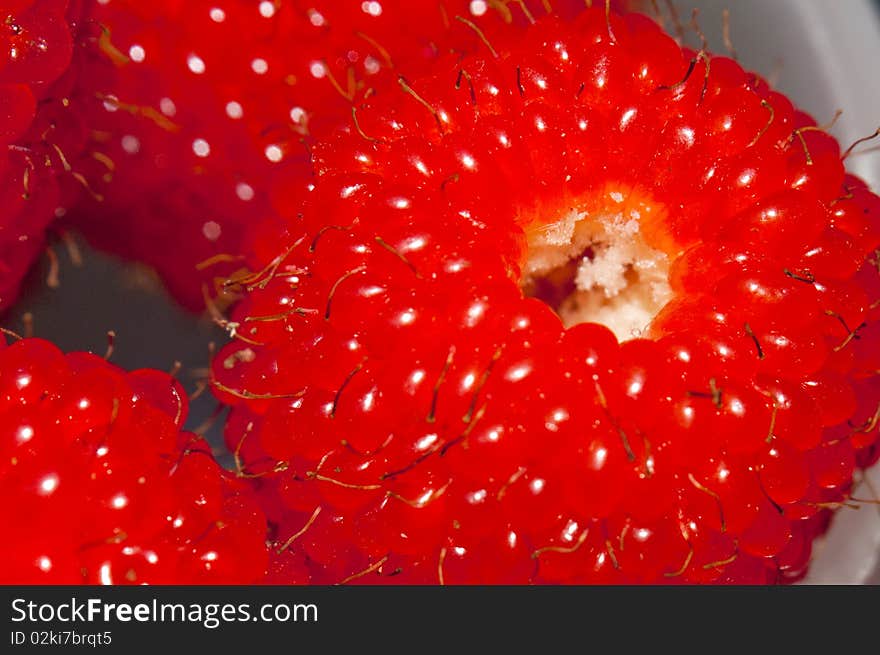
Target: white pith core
596, 267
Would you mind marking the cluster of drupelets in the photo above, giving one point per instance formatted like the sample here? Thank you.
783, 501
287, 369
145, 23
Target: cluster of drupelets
359, 178
158, 131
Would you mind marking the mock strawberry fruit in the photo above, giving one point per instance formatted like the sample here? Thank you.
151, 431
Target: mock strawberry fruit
102, 486
205, 103
39, 131
580, 307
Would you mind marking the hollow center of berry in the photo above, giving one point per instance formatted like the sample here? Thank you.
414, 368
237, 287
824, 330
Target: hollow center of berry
592, 264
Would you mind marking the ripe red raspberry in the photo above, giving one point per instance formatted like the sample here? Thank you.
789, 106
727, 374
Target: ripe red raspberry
206, 103
39, 133
582, 307
102, 486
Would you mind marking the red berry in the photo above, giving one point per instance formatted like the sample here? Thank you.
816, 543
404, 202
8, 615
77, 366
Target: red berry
104, 487
429, 405
40, 134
